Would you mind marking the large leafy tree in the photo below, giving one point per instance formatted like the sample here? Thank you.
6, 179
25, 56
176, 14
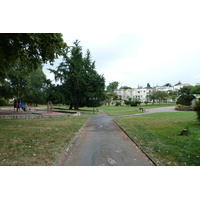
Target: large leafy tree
112, 86
25, 84
178, 83
78, 76
185, 97
5, 90
153, 96
125, 87
95, 84
161, 96
110, 95
55, 93
186, 90
172, 95
158, 95
148, 85
30, 48
36, 87
195, 89
18, 78
168, 84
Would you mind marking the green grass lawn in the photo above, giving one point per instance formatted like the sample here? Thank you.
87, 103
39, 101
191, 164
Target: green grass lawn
127, 110
36, 141
158, 135
114, 110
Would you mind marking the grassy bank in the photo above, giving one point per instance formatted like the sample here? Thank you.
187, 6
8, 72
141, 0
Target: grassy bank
36, 141
127, 110
158, 135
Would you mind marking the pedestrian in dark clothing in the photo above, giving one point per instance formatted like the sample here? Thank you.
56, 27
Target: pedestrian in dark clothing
15, 104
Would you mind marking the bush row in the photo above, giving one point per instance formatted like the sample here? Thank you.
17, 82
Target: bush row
129, 103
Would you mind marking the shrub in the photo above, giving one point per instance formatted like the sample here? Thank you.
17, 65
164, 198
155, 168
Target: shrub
183, 106
197, 109
138, 102
127, 102
118, 104
3, 102
133, 103
185, 100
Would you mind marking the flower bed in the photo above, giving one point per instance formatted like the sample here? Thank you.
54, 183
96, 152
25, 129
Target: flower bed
184, 108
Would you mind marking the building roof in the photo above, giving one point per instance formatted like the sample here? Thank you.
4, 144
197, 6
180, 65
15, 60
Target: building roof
186, 84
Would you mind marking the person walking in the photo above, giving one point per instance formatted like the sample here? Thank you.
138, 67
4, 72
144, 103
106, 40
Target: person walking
15, 104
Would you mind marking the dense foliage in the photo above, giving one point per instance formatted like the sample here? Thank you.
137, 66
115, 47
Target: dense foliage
81, 83
134, 102
185, 100
31, 48
112, 86
195, 89
197, 109
185, 97
157, 95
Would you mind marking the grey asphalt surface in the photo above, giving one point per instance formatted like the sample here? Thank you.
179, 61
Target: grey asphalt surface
102, 143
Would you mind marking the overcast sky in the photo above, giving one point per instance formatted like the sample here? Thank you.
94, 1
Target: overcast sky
132, 42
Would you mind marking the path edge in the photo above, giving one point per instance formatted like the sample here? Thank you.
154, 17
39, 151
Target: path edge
70, 144
135, 143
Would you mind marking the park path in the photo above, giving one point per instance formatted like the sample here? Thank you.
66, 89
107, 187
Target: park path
102, 143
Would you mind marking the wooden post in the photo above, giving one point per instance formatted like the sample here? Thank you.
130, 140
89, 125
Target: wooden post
48, 109
51, 108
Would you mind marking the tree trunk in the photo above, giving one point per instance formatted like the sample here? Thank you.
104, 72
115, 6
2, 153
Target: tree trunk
76, 106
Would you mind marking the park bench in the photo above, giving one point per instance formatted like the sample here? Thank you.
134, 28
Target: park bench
142, 109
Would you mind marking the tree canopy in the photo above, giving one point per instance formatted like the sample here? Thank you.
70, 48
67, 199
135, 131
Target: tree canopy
125, 87
185, 97
24, 84
80, 81
186, 90
36, 87
112, 86
178, 83
148, 85
158, 95
168, 84
30, 48
195, 89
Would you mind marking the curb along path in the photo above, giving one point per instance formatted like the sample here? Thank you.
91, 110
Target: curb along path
102, 143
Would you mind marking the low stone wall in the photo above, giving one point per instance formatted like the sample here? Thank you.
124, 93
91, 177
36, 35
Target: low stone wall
33, 116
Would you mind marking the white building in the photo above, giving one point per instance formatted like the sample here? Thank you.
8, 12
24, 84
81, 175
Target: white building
164, 88
139, 93
142, 93
178, 87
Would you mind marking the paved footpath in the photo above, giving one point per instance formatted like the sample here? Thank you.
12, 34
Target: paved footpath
102, 143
